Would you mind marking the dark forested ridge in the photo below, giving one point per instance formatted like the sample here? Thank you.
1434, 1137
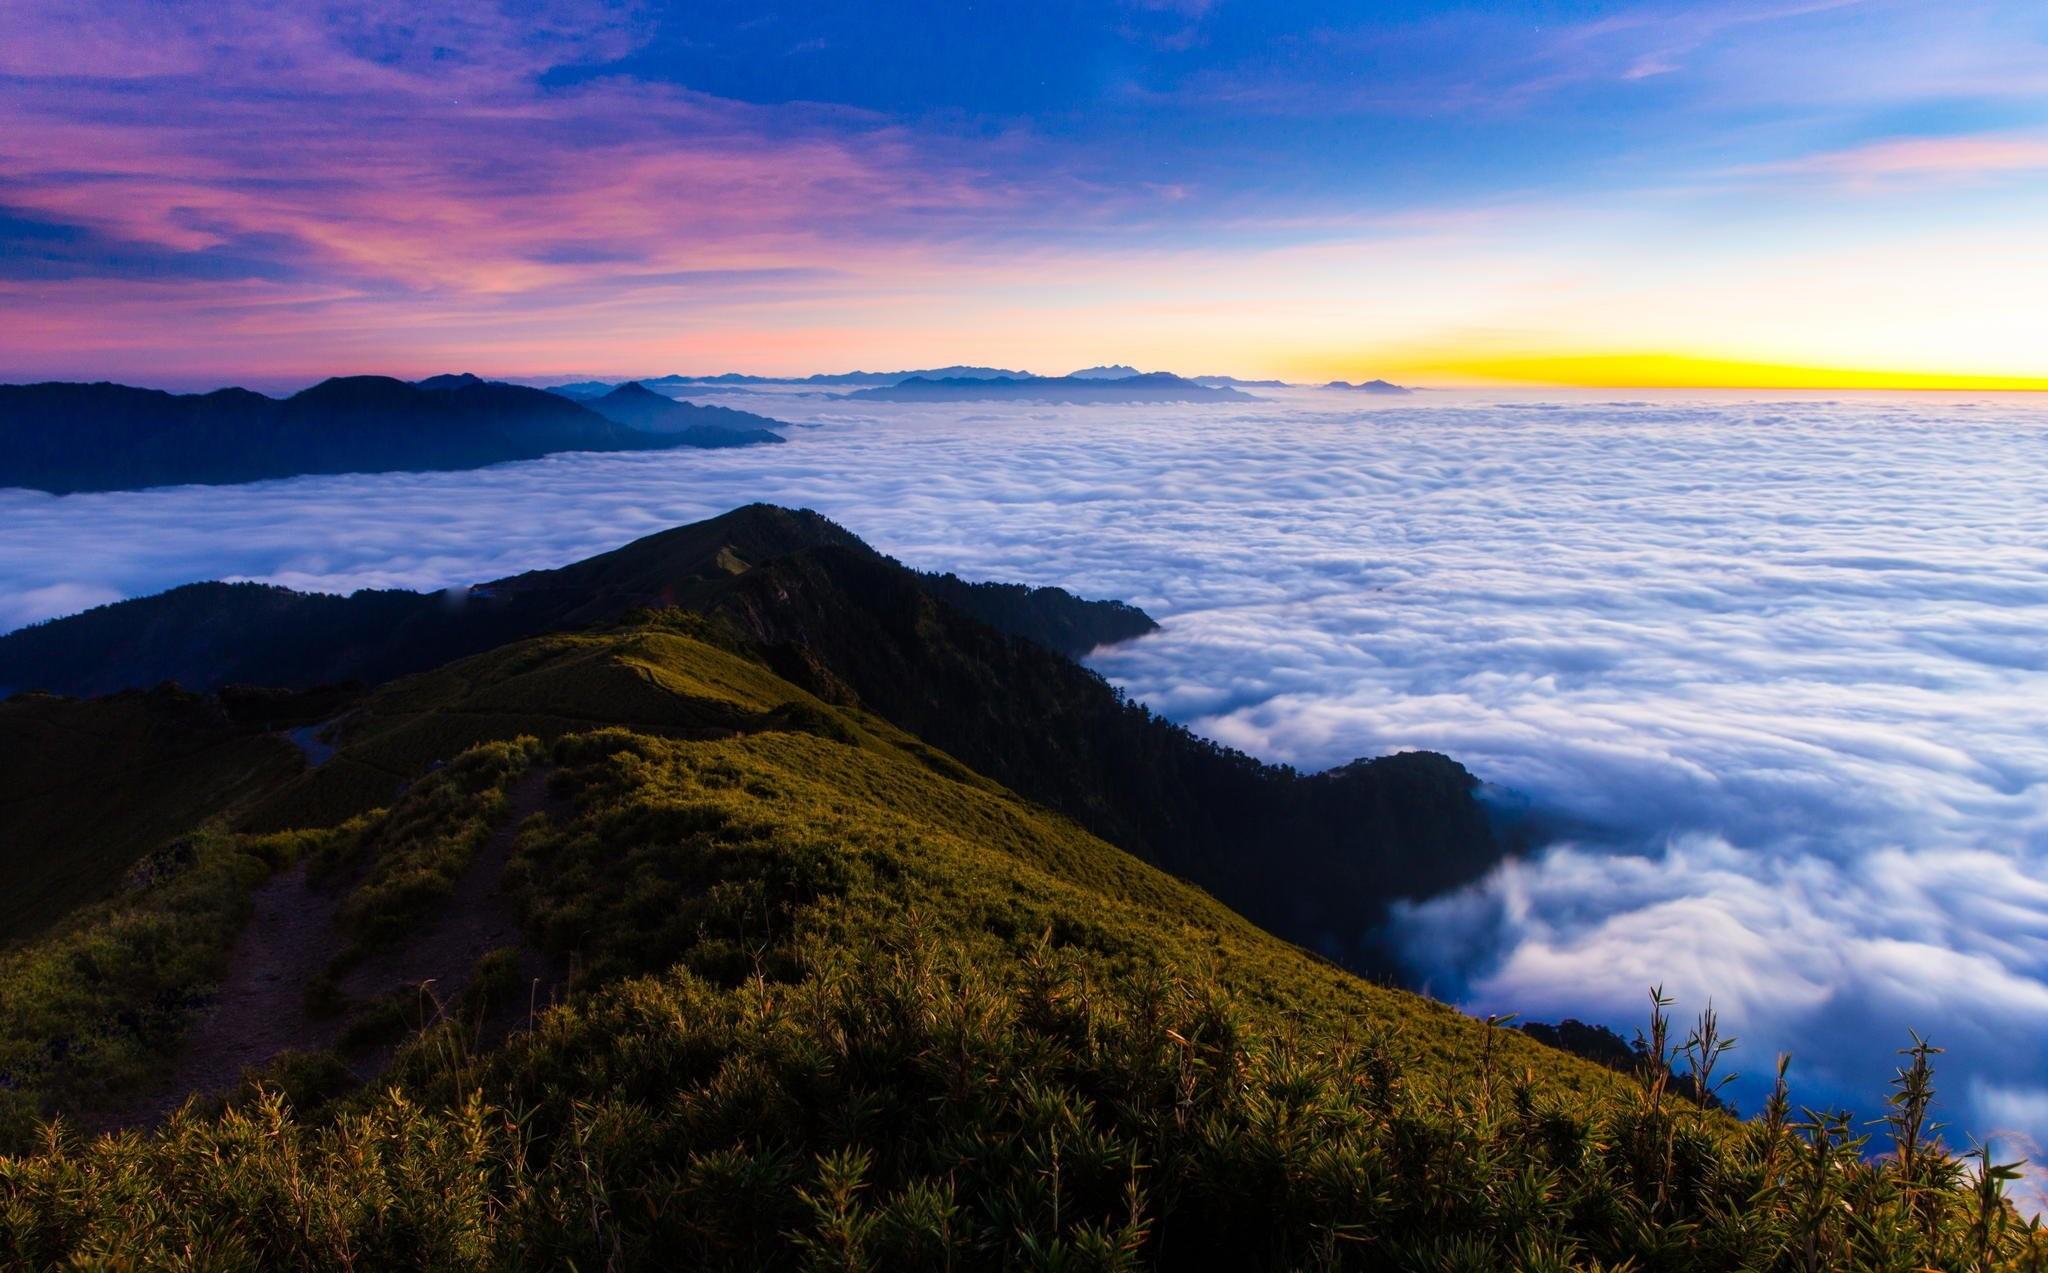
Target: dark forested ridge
64, 438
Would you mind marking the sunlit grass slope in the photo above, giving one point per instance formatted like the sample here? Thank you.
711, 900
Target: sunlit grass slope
839, 1002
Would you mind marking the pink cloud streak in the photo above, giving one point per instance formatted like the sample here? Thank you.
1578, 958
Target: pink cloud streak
365, 168
1924, 157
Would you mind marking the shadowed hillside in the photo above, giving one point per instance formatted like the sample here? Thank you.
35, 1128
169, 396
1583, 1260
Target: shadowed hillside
88, 788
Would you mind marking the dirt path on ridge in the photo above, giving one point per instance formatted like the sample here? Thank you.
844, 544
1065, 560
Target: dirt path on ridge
479, 917
291, 937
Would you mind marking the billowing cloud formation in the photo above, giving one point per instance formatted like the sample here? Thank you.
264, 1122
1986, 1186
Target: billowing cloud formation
1773, 671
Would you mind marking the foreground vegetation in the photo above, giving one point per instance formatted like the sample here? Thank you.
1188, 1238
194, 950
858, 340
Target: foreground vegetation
909, 1109
839, 1002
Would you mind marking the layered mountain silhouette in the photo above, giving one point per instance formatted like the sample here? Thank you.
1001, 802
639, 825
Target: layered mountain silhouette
64, 438
1156, 386
637, 407
582, 389
1122, 371
981, 671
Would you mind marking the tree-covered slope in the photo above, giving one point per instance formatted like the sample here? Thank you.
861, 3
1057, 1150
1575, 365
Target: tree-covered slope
826, 998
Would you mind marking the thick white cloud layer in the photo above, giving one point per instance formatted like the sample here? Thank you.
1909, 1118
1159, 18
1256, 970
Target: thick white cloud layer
1774, 672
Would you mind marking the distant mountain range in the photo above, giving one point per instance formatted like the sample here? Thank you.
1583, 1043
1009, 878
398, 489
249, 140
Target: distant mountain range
1157, 386
67, 438
1122, 371
1370, 386
736, 382
847, 377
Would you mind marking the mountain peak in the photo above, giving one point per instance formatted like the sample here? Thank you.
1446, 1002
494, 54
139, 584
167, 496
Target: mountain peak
450, 380
651, 569
357, 390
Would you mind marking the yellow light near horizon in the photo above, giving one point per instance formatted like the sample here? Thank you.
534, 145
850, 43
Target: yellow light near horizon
1681, 371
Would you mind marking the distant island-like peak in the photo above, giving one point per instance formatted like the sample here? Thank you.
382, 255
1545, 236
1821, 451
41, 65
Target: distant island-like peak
1369, 386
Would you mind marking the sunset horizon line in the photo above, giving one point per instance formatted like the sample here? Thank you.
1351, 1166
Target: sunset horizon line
1592, 371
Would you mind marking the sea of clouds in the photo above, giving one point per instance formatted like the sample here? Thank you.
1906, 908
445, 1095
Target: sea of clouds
1773, 674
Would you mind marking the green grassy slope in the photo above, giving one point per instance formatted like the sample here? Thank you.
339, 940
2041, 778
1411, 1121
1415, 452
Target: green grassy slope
839, 1002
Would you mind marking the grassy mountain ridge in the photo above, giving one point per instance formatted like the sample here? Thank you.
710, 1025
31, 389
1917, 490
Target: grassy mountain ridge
1315, 857
839, 1001
973, 670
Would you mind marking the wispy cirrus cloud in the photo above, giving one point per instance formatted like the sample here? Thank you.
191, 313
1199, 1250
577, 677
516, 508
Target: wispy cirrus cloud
1922, 158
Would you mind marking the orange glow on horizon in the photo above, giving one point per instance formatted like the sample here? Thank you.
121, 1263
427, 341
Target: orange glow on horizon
1684, 371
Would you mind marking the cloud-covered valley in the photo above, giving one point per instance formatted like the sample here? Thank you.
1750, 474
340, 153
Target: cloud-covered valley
1773, 675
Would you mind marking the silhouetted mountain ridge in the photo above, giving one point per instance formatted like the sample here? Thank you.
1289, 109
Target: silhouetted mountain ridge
63, 438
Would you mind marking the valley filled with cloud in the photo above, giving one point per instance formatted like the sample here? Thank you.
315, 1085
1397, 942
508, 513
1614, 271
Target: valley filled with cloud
1766, 680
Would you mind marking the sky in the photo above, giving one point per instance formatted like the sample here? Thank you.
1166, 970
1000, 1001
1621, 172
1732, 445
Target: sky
1774, 193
